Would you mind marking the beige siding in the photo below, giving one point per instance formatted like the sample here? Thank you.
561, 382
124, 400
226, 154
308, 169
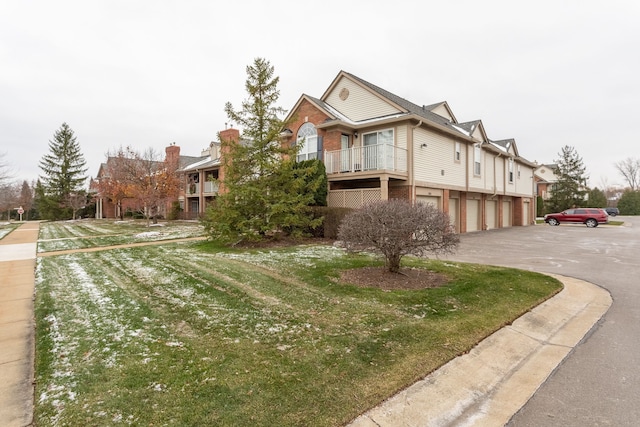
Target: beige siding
500, 174
400, 134
477, 134
360, 104
490, 176
442, 112
524, 182
435, 163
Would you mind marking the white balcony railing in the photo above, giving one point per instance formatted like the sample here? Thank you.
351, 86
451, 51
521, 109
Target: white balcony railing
371, 157
209, 187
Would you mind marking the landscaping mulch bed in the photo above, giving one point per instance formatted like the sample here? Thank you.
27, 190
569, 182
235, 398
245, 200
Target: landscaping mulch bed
381, 278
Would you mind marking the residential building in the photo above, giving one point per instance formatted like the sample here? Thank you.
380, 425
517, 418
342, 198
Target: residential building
200, 177
106, 208
379, 146
545, 178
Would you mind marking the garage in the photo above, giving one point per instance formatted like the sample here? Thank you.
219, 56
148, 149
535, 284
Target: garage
506, 214
473, 215
491, 214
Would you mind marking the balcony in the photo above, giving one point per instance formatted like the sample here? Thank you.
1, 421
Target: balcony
210, 187
368, 158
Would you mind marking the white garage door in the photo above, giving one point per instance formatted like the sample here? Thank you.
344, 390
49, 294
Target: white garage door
491, 214
506, 214
454, 215
473, 215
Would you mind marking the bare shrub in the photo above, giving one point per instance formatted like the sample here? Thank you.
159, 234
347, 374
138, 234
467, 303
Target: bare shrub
396, 228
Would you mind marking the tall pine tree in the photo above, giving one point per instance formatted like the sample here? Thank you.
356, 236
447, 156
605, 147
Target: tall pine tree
571, 188
262, 191
63, 175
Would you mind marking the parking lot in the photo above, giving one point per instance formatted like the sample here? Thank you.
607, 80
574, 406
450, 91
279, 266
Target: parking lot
599, 383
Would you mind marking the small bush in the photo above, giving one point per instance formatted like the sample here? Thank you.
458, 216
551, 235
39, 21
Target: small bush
396, 228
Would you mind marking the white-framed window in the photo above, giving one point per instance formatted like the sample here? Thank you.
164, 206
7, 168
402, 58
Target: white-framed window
379, 137
510, 169
307, 139
518, 171
477, 159
457, 154
378, 150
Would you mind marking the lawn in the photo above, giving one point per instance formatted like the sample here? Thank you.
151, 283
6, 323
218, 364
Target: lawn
68, 235
189, 334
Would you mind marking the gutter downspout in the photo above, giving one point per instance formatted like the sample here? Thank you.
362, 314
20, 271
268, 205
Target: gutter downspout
410, 165
495, 180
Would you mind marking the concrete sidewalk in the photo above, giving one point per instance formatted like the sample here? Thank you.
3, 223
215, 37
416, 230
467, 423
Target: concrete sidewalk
488, 385
17, 267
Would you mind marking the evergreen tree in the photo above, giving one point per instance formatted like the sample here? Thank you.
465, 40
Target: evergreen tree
63, 174
629, 203
570, 190
597, 198
262, 191
26, 198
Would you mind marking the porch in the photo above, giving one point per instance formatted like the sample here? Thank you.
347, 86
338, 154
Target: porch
368, 158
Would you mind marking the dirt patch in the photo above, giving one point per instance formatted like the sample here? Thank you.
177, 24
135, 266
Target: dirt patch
378, 277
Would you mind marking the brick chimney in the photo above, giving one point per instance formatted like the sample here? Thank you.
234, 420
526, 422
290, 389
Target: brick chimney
173, 153
229, 135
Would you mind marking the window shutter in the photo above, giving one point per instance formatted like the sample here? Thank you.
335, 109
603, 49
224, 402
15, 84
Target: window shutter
320, 149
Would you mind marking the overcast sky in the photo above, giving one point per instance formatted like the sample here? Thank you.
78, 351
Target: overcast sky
147, 73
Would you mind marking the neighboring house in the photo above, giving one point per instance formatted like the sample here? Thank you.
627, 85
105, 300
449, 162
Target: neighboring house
379, 146
200, 177
106, 208
545, 178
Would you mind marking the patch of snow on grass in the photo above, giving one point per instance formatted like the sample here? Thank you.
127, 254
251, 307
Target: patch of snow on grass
147, 234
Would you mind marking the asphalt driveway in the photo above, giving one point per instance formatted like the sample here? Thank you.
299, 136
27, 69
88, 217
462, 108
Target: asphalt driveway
598, 384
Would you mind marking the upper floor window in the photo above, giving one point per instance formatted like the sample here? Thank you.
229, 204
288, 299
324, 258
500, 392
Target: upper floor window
518, 171
307, 139
477, 155
380, 137
457, 153
510, 170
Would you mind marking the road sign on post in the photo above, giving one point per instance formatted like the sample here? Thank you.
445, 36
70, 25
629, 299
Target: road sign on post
20, 212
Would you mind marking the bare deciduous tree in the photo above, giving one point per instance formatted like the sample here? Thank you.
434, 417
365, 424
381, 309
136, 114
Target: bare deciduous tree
5, 170
629, 168
396, 228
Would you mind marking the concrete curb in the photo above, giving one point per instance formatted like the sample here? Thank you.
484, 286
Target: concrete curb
488, 385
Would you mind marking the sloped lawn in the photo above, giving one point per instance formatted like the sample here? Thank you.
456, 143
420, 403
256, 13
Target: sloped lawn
190, 335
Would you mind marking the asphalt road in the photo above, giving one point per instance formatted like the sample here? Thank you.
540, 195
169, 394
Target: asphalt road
598, 384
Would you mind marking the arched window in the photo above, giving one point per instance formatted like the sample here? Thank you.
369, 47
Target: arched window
307, 139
